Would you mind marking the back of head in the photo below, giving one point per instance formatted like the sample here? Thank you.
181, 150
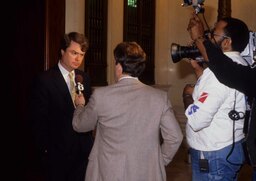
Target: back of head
75, 37
131, 57
238, 31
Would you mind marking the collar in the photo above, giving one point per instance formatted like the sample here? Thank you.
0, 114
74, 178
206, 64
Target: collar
128, 77
231, 53
64, 72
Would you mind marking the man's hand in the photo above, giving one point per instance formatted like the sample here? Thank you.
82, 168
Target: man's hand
187, 95
188, 90
80, 100
196, 31
195, 28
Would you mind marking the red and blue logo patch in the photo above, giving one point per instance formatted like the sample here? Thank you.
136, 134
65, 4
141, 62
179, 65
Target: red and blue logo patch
203, 97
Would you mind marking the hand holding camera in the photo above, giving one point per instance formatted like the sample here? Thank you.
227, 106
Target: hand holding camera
196, 28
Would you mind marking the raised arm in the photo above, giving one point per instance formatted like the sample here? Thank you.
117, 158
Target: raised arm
242, 78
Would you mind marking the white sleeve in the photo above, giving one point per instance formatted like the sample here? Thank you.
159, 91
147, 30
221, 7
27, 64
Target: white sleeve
210, 95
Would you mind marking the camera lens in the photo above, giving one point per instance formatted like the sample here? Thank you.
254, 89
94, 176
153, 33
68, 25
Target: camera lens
179, 52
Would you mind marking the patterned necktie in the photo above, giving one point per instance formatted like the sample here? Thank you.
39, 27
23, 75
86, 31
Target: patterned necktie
72, 85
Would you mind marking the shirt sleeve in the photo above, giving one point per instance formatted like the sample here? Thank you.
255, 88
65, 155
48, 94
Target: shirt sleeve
85, 118
209, 97
171, 133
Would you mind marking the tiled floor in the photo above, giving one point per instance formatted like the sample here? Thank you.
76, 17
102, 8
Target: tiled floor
179, 169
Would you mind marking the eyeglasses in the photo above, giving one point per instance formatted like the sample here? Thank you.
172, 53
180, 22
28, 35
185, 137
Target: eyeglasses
212, 34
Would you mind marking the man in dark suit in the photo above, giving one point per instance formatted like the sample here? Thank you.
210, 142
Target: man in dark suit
64, 152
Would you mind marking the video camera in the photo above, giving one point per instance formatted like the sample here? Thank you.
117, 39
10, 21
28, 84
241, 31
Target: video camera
179, 52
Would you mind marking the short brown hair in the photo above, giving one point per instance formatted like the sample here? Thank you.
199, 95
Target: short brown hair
75, 37
131, 57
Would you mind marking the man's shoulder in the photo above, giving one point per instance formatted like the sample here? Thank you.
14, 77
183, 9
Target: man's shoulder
49, 72
155, 91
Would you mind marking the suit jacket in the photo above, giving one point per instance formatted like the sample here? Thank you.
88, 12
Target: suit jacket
51, 115
130, 116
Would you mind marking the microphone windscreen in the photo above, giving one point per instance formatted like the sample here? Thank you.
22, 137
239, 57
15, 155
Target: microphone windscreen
79, 78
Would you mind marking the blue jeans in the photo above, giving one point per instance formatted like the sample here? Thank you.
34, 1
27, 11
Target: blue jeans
219, 167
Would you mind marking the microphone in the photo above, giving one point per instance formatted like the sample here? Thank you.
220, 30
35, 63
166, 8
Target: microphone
80, 86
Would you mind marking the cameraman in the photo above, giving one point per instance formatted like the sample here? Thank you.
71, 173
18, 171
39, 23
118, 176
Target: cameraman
214, 132
233, 75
